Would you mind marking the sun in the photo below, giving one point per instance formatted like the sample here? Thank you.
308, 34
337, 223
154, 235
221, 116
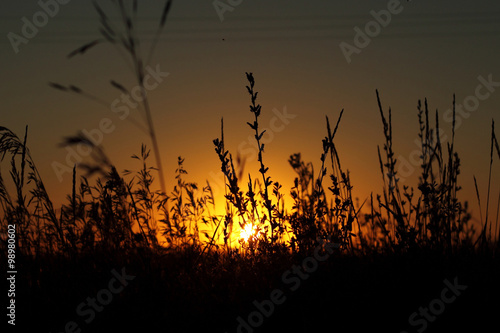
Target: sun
249, 231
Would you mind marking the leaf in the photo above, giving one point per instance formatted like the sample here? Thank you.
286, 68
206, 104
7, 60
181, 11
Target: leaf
99, 10
75, 89
250, 79
84, 48
166, 9
107, 36
119, 87
58, 86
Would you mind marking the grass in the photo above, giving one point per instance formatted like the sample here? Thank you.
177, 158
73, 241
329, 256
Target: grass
194, 272
183, 255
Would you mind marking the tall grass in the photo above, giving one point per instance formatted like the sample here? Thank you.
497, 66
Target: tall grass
487, 234
191, 260
115, 214
435, 218
122, 212
122, 34
178, 242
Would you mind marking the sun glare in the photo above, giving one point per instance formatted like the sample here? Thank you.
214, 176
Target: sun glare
249, 231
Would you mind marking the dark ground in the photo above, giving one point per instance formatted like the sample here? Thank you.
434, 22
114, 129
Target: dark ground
344, 294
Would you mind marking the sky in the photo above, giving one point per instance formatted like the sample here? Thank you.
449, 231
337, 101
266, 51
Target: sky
309, 59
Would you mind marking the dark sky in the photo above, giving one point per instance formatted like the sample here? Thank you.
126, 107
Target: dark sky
427, 49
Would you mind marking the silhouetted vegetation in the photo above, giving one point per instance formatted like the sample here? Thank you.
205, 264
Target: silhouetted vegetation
194, 269
177, 242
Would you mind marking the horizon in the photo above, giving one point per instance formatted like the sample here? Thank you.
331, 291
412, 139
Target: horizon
301, 63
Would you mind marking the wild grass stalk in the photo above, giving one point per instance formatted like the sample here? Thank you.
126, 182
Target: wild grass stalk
393, 202
123, 36
440, 220
487, 235
343, 211
18, 212
497, 147
266, 180
114, 215
489, 181
312, 218
235, 195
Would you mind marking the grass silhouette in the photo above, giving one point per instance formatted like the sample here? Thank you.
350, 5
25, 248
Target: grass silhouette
393, 251
115, 222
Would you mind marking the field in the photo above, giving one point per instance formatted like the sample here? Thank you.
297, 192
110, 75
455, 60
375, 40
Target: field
126, 253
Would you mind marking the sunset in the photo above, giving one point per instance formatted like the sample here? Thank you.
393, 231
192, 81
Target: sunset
250, 166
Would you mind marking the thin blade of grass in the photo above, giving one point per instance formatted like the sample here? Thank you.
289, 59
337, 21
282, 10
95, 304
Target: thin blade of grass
84, 48
163, 20
478, 199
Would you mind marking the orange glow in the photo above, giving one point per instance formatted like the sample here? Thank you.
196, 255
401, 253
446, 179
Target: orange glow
250, 231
